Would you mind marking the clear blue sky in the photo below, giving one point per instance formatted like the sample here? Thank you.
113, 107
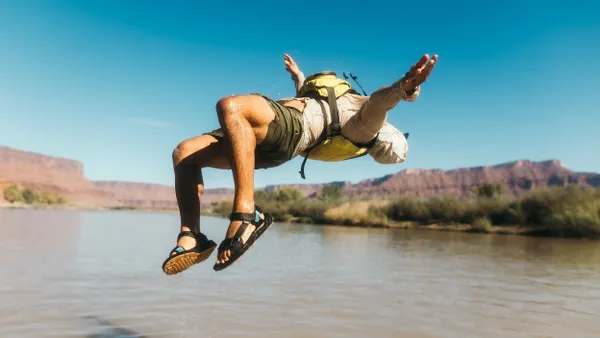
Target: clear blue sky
117, 84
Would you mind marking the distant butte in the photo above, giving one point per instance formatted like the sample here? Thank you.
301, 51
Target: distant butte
66, 177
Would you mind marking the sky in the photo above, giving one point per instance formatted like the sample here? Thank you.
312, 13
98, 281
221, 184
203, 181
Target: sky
118, 84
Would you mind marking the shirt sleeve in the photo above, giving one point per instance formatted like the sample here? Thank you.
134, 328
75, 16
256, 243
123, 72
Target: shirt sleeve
298, 81
391, 146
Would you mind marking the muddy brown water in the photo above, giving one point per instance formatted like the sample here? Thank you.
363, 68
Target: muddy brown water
57, 267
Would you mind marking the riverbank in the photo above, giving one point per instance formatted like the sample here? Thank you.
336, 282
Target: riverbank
537, 231
571, 211
505, 230
40, 206
18, 205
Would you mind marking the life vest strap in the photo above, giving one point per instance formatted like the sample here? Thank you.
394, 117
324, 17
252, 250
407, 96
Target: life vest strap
303, 165
336, 128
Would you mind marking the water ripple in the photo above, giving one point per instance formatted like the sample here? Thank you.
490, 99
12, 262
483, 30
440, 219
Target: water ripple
306, 281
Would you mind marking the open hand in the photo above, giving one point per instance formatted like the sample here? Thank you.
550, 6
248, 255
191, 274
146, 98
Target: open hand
290, 65
419, 72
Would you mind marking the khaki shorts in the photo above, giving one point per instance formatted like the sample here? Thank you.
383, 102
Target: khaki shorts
282, 139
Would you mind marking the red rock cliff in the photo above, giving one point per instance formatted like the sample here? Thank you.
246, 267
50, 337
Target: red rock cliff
52, 174
65, 177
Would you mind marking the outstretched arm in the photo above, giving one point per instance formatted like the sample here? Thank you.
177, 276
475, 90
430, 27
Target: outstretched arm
292, 68
391, 146
407, 88
373, 113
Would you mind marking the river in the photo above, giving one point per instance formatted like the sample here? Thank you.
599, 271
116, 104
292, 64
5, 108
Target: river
59, 267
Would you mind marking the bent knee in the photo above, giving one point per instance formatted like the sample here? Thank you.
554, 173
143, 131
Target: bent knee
225, 102
180, 153
184, 150
195, 149
249, 106
230, 104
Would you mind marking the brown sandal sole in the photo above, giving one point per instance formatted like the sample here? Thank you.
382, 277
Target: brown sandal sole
187, 260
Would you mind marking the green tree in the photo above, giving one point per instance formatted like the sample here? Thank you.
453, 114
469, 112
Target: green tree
12, 194
29, 196
50, 198
223, 208
61, 200
46, 198
487, 190
331, 192
289, 195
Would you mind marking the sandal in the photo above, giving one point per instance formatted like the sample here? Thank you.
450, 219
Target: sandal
235, 244
182, 259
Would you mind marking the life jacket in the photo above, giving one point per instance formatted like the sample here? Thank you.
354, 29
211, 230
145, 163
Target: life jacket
332, 146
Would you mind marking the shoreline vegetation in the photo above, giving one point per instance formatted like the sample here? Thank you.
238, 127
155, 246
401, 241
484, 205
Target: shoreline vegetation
25, 197
571, 212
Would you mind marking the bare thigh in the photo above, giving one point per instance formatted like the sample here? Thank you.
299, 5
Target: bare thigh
203, 150
253, 108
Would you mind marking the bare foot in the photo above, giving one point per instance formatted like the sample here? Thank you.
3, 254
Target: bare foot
186, 242
188, 252
231, 231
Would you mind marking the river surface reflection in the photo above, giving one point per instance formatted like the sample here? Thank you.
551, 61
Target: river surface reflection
57, 267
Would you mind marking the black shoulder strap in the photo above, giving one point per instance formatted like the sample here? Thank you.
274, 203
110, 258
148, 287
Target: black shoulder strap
336, 128
323, 135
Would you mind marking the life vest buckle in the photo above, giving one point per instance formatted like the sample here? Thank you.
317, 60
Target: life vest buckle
336, 128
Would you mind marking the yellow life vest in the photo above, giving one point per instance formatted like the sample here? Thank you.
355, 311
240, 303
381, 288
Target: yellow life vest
333, 146
317, 84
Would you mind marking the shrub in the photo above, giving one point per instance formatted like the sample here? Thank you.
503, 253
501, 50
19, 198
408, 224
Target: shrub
409, 209
498, 211
331, 192
49, 198
574, 223
315, 210
481, 224
447, 209
350, 213
571, 211
12, 194
223, 208
543, 203
29, 196
487, 190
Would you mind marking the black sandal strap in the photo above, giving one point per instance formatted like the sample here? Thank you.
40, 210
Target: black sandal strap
186, 234
253, 218
200, 237
239, 216
235, 242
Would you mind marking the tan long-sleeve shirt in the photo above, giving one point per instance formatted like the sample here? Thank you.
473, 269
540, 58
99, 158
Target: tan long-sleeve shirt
361, 119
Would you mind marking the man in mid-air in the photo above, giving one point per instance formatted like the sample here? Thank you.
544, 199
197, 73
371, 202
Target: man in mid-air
327, 120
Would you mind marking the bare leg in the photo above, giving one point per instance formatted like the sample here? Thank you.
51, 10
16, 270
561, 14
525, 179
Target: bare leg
245, 121
189, 158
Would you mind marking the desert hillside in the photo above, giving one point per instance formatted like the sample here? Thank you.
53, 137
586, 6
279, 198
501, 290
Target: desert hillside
52, 174
66, 177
